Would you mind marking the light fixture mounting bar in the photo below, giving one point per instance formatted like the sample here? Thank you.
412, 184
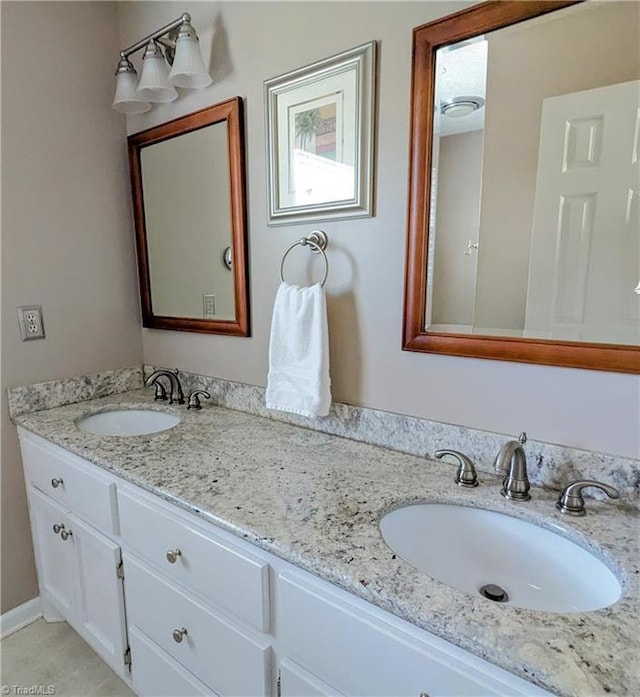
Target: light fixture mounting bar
185, 18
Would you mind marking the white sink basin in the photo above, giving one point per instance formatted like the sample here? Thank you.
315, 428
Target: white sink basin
468, 548
128, 422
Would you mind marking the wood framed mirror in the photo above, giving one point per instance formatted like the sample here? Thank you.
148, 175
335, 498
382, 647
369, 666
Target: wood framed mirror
188, 184
513, 251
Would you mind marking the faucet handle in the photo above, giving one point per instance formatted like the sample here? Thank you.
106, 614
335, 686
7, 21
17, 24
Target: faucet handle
571, 501
194, 399
466, 476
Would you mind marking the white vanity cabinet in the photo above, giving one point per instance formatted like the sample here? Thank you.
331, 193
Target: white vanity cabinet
208, 613
79, 568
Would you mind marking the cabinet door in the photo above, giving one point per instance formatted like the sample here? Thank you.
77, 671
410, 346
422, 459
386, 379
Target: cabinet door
55, 558
297, 682
99, 612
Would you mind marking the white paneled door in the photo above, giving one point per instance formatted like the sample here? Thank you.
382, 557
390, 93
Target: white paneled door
100, 608
585, 250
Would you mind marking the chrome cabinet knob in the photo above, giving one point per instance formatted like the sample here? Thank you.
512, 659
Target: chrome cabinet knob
58, 527
65, 534
172, 555
55, 483
466, 476
179, 634
571, 501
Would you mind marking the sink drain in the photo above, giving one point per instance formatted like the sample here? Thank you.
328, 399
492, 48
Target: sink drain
493, 592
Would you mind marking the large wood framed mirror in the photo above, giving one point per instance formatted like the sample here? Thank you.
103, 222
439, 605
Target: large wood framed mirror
188, 184
524, 185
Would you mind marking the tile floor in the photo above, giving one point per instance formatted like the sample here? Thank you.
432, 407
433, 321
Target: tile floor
54, 655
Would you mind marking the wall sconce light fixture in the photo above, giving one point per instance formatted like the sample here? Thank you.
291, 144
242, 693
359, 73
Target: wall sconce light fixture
175, 45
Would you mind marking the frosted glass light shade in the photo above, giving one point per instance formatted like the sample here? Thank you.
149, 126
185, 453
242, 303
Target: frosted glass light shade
188, 67
153, 85
126, 99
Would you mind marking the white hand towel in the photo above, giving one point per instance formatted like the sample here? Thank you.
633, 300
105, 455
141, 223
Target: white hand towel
298, 379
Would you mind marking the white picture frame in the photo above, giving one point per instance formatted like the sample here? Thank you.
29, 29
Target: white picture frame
320, 128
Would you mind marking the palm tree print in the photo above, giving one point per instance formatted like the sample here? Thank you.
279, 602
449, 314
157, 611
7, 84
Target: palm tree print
306, 126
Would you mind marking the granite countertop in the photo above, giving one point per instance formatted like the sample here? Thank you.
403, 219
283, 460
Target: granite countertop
315, 500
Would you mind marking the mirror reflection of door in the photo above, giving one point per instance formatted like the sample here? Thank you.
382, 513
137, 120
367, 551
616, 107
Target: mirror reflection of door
585, 248
187, 211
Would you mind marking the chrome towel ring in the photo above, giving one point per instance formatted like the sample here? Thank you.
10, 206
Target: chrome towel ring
317, 240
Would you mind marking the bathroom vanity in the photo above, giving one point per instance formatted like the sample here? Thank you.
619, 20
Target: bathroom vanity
234, 555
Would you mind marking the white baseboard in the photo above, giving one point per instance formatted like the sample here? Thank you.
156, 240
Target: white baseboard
20, 617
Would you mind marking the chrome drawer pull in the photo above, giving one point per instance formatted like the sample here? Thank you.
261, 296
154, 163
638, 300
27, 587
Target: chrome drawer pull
55, 483
65, 534
58, 527
172, 556
179, 634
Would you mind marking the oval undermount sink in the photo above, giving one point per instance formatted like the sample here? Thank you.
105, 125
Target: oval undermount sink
128, 422
505, 559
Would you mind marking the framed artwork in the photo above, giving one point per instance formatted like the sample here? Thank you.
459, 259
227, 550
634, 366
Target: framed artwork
320, 139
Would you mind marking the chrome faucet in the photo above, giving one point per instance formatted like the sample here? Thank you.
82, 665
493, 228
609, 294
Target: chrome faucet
512, 462
176, 394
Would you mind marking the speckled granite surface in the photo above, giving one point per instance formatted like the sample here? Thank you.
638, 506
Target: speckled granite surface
56, 393
550, 465
315, 500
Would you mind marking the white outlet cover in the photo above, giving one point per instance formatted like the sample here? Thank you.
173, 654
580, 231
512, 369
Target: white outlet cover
30, 321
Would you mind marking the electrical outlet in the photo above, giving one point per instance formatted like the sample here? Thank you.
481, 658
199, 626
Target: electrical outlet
209, 306
30, 320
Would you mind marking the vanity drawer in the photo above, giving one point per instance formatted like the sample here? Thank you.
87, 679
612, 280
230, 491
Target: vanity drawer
69, 480
220, 573
156, 674
217, 653
361, 654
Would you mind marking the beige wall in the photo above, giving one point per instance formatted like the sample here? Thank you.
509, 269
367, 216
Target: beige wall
457, 222
257, 41
524, 67
66, 231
